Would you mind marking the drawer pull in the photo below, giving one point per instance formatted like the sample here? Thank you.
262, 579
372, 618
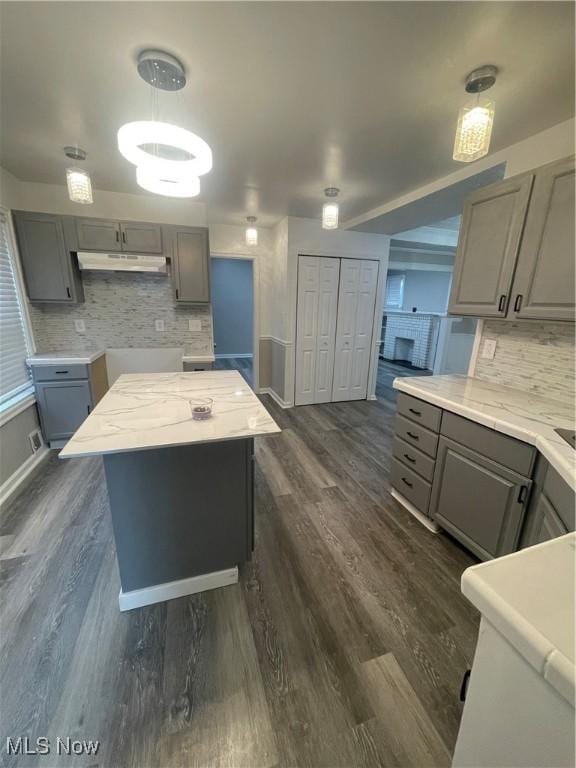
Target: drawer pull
412, 435
502, 303
409, 458
408, 483
61, 371
518, 303
464, 686
522, 494
416, 413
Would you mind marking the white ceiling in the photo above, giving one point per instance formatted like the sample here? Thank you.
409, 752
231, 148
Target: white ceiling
292, 97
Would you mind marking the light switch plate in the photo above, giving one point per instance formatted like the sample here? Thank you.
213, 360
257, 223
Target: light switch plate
159, 325
79, 326
194, 324
489, 349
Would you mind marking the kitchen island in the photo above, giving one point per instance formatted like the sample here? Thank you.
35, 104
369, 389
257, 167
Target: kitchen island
180, 489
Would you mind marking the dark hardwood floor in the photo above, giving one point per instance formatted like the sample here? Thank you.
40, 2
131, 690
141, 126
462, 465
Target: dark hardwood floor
242, 364
344, 644
387, 372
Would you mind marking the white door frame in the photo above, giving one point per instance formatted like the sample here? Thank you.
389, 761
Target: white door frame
255, 311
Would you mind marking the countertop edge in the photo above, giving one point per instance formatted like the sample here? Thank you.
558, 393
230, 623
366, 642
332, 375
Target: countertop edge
80, 358
512, 430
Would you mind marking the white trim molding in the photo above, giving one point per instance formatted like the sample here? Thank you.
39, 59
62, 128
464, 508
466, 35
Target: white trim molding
277, 340
243, 356
425, 521
17, 479
275, 397
159, 593
27, 400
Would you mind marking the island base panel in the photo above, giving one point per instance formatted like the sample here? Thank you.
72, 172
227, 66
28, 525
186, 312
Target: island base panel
180, 512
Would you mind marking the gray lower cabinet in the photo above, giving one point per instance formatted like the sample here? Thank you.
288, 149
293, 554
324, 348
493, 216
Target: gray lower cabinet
488, 245
552, 508
63, 406
98, 235
547, 524
480, 502
190, 265
544, 286
45, 244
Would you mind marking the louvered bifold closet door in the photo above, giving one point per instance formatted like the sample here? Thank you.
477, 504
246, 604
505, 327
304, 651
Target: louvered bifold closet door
14, 374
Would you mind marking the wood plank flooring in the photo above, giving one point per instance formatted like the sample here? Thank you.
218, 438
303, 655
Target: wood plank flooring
344, 644
241, 364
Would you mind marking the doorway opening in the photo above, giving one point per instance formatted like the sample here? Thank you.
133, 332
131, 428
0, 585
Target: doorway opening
232, 293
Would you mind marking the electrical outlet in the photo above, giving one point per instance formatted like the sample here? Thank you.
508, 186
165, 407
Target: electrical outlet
79, 326
194, 324
159, 325
489, 349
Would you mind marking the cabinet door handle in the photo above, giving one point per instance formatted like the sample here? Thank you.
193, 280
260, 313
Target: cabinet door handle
409, 458
522, 494
68, 292
502, 303
518, 302
412, 435
464, 686
416, 413
61, 371
117, 236
123, 237
409, 484
176, 292
88, 408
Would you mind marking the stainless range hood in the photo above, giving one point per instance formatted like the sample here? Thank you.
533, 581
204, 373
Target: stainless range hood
121, 262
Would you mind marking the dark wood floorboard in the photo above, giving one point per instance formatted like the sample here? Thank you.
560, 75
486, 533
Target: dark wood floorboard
387, 372
241, 364
344, 644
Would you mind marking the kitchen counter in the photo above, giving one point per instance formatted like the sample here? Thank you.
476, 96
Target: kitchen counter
147, 411
65, 358
512, 412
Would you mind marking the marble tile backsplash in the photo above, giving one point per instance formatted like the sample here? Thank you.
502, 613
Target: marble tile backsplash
120, 310
532, 356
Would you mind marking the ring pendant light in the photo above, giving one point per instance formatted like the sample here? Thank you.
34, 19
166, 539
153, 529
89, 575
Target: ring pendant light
150, 180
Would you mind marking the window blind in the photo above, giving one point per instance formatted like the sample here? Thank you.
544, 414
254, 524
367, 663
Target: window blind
394, 291
14, 374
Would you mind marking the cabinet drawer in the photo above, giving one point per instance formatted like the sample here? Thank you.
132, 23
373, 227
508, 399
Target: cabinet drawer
419, 411
415, 435
59, 372
512, 453
561, 497
413, 459
410, 485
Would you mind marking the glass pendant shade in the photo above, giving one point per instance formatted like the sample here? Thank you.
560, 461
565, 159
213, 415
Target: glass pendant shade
167, 185
133, 137
79, 186
474, 131
330, 216
251, 236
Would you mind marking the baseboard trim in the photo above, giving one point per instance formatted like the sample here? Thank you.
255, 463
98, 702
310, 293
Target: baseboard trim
425, 521
232, 357
17, 480
159, 593
277, 399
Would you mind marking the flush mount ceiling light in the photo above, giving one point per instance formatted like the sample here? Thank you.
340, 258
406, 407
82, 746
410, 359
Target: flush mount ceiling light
77, 179
475, 119
169, 158
330, 210
148, 179
251, 232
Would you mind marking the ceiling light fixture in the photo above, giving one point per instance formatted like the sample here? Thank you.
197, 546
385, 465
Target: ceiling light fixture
475, 119
330, 210
169, 159
148, 179
77, 179
251, 232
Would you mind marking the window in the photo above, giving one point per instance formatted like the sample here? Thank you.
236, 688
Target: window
394, 291
15, 340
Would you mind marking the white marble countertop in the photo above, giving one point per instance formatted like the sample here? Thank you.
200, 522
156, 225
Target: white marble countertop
205, 358
529, 598
527, 417
65, 358
145, 411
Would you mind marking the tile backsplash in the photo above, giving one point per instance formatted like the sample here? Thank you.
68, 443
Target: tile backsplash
533, 356
120, 310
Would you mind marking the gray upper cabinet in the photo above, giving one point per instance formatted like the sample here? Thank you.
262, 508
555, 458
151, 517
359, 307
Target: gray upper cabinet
544, 286
140, 237
479, 501
45, 243
98, 235
492, 224
190, 264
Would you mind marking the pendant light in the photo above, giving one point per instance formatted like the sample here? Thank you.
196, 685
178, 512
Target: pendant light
77, 179
140, 142
475, 119
251, 231
330, 209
